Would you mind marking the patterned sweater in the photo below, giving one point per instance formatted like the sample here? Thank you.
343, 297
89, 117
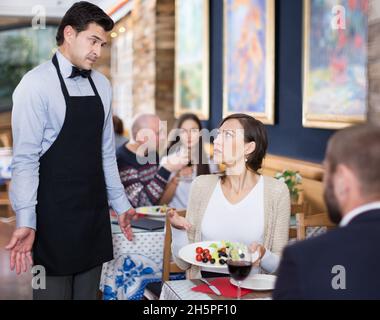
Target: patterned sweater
143, 183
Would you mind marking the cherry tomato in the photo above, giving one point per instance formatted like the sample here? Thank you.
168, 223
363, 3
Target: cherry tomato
199, 250
206, 251
209, 257
199, 258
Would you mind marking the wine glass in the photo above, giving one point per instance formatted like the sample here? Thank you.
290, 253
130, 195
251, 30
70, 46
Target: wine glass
239, 264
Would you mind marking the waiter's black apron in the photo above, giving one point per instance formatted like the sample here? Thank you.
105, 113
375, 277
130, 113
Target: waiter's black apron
73, 225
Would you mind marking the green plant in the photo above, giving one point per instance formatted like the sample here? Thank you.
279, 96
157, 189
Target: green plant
292, 180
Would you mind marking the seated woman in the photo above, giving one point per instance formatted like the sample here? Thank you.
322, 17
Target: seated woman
118, 128
189, 140
241, 206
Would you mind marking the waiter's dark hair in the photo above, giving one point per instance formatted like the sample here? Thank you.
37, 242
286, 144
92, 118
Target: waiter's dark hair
80, 15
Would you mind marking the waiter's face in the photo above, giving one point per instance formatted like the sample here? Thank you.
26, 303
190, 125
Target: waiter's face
85, 46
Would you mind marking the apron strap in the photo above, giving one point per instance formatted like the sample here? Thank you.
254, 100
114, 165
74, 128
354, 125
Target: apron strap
93, 86
63, 86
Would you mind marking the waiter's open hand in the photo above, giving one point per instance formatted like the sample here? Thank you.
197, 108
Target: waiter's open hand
125, 223
20, 247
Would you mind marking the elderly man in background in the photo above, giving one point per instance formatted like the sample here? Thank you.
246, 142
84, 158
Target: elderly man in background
143, 178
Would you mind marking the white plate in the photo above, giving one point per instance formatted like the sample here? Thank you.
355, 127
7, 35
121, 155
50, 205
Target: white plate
151, 211
189, 254
258, 282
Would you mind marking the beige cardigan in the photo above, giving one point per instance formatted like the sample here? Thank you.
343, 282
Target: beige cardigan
276, 215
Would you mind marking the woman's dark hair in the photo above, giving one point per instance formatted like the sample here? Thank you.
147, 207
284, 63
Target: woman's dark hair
80, 15
254, 131
118, 125
203, 166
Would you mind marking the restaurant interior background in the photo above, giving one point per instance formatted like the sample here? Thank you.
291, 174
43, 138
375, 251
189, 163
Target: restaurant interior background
140, 60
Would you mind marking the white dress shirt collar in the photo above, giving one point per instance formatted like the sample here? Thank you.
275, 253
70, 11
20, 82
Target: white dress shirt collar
357, 211
64, 64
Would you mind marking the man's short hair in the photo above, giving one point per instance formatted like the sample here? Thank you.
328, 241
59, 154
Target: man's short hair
80, 15
358, 148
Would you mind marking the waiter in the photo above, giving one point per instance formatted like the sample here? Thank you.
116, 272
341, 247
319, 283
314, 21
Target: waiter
64, 166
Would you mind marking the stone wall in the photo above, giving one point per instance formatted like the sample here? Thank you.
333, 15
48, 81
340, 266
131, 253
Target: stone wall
144, 46
165, 60
122, 71
151, 24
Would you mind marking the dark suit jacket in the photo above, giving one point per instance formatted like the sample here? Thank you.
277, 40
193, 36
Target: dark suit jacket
306, 269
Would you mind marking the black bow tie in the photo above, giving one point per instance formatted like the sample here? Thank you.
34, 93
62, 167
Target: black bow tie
77, 72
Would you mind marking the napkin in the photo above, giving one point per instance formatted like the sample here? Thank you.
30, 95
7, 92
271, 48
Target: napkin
225, 287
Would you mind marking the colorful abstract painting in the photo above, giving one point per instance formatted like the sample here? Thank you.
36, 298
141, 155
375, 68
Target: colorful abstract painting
192, 58
249, 58
335, 63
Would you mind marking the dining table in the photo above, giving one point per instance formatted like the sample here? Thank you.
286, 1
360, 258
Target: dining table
136, 263
182, 290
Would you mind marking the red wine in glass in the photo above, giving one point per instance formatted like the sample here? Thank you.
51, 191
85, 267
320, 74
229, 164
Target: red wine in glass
239, 270
239, 264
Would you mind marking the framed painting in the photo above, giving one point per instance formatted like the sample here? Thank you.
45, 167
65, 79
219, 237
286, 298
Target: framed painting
335, 63
249, 66
192, 58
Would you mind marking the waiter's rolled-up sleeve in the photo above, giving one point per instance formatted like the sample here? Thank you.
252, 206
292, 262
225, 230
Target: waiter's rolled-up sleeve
28, 122
115, 190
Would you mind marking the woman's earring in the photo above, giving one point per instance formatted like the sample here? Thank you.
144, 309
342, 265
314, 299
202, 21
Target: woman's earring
246, 159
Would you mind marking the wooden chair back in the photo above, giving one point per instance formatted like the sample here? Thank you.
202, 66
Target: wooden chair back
168, 266
314, 220
5, 141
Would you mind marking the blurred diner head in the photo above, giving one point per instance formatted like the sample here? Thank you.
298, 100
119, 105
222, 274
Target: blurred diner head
352, 170
82, 34
146, 131
241, 144
118, 125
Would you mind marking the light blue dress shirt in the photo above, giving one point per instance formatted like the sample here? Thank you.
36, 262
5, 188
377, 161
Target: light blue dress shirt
39, 110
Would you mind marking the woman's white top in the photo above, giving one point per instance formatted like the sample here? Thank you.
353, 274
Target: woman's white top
181, 195
242, 222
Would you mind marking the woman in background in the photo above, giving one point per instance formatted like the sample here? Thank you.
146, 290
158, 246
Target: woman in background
118, 127
188, 140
